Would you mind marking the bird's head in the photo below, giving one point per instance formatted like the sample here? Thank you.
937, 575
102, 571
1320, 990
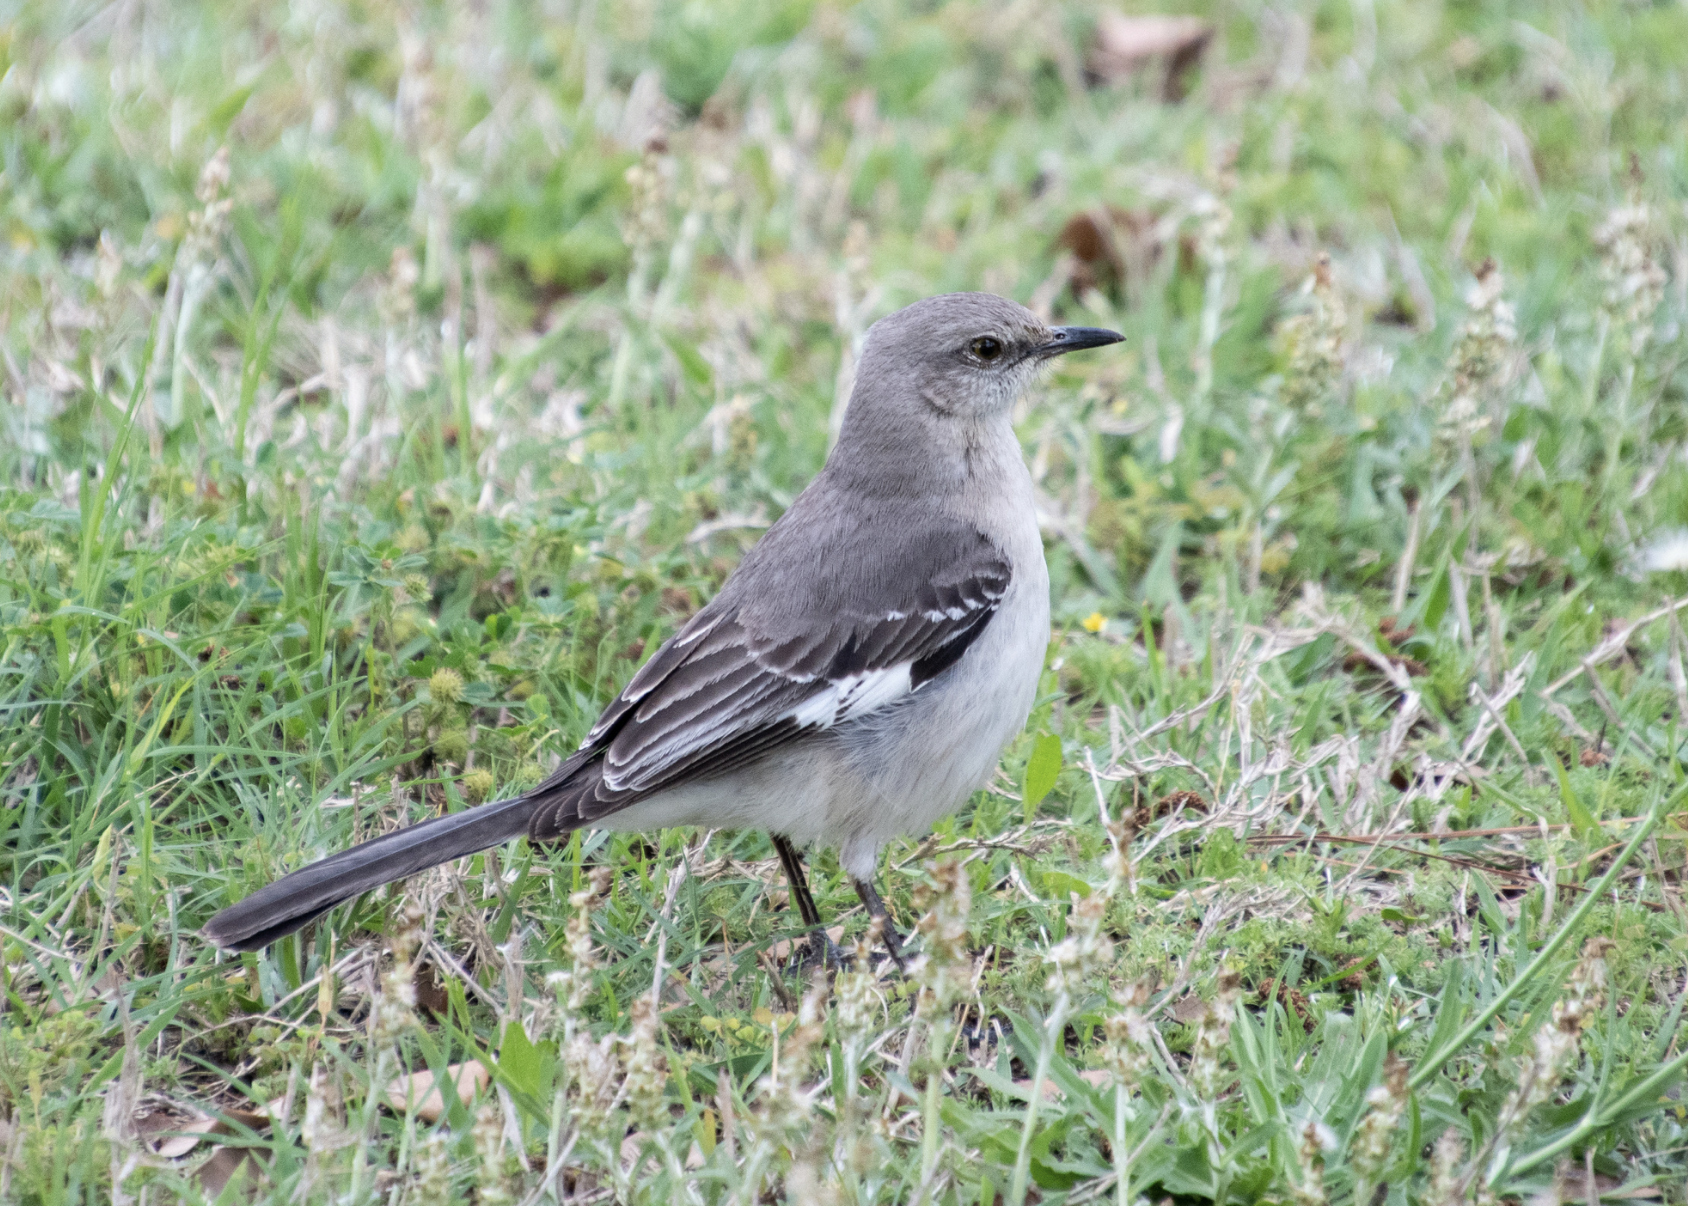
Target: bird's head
968, 355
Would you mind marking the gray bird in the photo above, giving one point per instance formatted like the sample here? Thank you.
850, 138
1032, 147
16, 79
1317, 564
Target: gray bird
857, 676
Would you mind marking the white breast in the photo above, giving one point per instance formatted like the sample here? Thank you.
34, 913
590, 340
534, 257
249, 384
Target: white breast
912, 764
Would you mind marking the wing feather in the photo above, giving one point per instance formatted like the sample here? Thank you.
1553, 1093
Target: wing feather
744, 677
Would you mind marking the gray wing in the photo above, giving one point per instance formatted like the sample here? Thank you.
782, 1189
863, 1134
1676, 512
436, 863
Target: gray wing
810, 633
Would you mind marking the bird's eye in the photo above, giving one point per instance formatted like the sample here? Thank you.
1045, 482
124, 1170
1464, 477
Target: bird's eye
986, 348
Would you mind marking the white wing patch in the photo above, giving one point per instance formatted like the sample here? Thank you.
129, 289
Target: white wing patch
856, 696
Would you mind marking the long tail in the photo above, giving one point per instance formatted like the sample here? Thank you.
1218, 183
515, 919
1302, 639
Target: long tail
293, 900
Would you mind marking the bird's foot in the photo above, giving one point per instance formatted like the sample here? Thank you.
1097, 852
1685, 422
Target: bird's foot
820, 951
880, 928
825, 951
894, 947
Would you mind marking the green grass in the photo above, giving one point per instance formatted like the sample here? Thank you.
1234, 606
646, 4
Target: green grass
345, 479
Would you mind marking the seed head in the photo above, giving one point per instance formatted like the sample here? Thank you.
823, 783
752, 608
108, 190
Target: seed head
1555, 1045
1085, 949
1447, 1183
527, 777
943, 971
490, 1160
647, 1067
1385, 1105
321, 1129
206, 223
1117, 862
1126, 1051
1314, 342
1481, 359
433, 1172
452, 745
859, 1006
573, 985
1317, 1139
1635, 284
395, 1008
445, 686
1213, 1035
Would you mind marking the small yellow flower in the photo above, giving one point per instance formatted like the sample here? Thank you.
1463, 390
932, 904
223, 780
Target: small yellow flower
1095, 622
763, 1015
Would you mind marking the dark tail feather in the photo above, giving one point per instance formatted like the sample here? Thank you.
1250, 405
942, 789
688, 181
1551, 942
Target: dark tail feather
293, 900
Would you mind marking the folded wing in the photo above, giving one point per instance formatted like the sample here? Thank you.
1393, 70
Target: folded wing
771, 660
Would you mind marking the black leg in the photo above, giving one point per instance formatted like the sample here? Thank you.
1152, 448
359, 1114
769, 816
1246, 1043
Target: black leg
795, 879
821, 945
876, 908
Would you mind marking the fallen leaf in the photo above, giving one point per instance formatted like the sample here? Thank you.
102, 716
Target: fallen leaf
1358, 663
181, 1140
430, 993
1176, 802
1574, 1186
1095, 1077
223, 1166
1189, 1008
1109, 246
1126, 45
419, 1093
1395, 632
169, 1130
178, 1132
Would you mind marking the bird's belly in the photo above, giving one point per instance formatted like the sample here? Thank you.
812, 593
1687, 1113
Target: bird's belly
787, 790
920, 761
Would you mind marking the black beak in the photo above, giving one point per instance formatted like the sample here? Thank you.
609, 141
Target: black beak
1073, 339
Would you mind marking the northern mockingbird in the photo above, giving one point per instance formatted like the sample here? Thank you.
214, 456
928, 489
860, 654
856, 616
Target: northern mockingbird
857, 676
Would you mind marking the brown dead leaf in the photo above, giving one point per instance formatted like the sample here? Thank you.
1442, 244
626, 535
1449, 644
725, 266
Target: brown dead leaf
418, 1091
1126, 45
1354, 976
1574, 1186
1109, 247
1090, 1076
1359, 663
1395, 632
1189, 1008
1176, 802
182, 1139
430, 993
173, 1132
223, 1166
1293, 1000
